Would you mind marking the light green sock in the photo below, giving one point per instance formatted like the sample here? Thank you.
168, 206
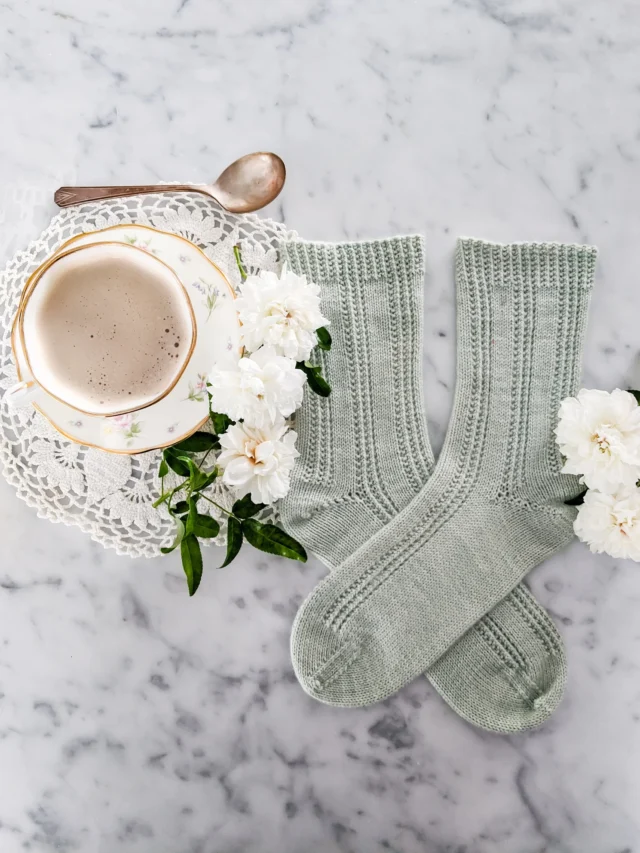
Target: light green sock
508, 671
493, 507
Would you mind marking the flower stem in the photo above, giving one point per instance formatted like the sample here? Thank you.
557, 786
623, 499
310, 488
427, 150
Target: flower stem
204, 458
236, 252
168, 495
221, 508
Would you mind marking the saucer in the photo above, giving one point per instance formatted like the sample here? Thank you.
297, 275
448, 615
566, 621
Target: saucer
186, 408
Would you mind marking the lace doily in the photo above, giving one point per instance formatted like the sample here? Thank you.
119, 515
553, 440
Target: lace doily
109, 496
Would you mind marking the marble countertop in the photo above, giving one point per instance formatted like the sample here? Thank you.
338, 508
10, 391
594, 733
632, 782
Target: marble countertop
134, 719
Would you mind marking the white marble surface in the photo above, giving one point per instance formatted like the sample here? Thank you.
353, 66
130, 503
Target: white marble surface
134, 719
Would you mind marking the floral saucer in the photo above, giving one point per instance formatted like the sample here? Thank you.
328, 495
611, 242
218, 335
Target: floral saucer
186, 407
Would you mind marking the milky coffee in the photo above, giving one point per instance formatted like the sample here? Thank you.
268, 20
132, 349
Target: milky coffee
111, 330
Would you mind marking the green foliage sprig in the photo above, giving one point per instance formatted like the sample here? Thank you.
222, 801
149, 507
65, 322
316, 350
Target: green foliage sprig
188, 460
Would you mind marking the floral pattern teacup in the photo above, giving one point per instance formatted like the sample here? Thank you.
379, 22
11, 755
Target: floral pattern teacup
186, 407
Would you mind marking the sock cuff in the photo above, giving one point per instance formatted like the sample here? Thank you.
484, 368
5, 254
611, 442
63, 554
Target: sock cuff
559, 265
351, 264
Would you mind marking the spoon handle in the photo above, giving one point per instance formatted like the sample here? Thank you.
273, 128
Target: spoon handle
68, 196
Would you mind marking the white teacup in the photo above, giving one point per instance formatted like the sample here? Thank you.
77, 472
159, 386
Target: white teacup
106, 328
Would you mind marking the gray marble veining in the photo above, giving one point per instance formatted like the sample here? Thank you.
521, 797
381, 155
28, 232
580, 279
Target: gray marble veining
134, 719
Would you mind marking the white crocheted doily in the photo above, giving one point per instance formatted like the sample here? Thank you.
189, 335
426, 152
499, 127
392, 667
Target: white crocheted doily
106, 495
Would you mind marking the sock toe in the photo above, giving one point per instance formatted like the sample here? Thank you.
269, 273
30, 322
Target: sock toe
347, 666
501, 677
321, 656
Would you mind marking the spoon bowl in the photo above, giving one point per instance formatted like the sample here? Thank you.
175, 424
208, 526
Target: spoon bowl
248, 184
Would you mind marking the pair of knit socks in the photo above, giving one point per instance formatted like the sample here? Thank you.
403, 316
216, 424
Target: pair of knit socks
428, 559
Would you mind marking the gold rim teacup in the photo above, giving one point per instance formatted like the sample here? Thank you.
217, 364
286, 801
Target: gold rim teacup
28, 390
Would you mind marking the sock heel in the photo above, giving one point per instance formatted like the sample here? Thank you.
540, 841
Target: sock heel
332, 528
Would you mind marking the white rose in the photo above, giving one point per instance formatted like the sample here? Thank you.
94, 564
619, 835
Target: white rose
263, 387
258, 461
282, 312
611, 523
599, 436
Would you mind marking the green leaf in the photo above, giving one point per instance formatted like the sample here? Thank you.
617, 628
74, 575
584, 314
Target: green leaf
191, 562
315, 378
163, 470
200, 525
199, 442
180, 508
198, 479
194, 470
245, 507
221, 423
579, 499
319, 384
203, 480
234, 540
636, 394
193, 512
324, 338
177, 463
273, 540
178, 538
205, 527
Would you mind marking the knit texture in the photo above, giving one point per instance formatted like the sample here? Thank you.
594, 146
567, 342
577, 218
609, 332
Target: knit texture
364, 450
494, 505
508, 672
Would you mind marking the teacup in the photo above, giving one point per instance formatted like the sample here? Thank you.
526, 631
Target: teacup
106, 328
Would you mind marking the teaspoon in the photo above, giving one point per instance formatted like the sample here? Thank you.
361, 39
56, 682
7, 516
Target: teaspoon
247, 184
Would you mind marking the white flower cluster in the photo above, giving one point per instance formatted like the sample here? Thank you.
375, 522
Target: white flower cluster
599, 435
281, 312
279, 317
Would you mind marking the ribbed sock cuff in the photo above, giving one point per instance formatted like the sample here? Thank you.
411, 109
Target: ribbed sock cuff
560, 265
352, 264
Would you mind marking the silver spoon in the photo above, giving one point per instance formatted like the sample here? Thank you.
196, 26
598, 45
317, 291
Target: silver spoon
247, 184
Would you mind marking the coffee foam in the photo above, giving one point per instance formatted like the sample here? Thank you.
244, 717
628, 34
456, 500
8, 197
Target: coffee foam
107, 329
